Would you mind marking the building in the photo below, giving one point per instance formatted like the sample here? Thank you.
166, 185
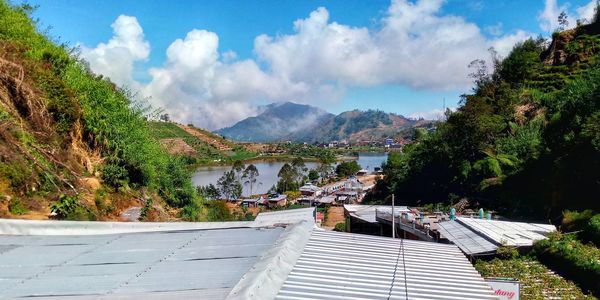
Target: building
276, 200
310, 190
254, 202
280, 255
476, 237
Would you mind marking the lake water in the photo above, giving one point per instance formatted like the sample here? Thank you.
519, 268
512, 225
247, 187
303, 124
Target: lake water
268, 170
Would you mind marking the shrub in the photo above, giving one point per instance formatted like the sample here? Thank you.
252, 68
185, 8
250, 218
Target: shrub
575, 220
578, 262
114, 175
507, 252
592, 231
68, 207
218, 211
16, 207
341, 227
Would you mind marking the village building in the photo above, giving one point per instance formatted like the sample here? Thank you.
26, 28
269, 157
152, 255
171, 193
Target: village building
254, 202
310, 190
276, 200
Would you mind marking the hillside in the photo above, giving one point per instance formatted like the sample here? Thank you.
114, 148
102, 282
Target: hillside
72, 144
275, 123
198, 146
359, 125
525, 142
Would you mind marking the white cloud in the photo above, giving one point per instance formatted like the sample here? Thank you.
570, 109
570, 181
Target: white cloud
115, 59
415, 46
587, 11
495, 30
434, 114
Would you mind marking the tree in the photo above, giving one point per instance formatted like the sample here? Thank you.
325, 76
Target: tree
250, 176
229, 186
238, 168
209, 192
299, 169
347, 168
286, 178
165, 118
563, 21
325, 161
313, 174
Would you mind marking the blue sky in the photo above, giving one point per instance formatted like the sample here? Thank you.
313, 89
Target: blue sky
397, 56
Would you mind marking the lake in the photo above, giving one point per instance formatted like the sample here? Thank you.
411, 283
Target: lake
268, 171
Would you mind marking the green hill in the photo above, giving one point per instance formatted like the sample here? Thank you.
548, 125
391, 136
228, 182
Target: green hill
198, 146
525, 142
73, 143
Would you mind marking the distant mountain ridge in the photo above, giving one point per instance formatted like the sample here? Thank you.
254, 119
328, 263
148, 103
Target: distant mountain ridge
305, 123
357, 125
275, 123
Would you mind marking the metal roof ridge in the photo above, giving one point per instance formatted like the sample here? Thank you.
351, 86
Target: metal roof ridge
56, 227
269, 273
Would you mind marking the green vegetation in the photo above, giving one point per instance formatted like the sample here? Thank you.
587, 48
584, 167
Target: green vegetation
347, 168
69, 208
16, 207
537, 281
525, 142
205, 152
341, 227
577, 261
65, 123
591, 231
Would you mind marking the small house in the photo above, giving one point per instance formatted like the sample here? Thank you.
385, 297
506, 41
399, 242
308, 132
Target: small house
254, 202
276, 200
310, 190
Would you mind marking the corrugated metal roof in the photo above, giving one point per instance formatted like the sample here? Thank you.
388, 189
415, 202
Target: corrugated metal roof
351, 266
290, 216
204, 264
508, 232
467, 240
368, 213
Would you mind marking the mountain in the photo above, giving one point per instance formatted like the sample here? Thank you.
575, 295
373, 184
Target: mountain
305, 123
277, 122
358, 125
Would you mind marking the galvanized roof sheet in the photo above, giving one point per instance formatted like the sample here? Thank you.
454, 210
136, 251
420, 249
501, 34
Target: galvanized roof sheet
467, 240
204, 264
508, 232
337, 265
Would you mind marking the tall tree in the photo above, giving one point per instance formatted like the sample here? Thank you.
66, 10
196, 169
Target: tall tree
299, 169
238, 168
250, 176
229, 186
286, 178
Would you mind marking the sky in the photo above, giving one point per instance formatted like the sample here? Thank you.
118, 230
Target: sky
213, 63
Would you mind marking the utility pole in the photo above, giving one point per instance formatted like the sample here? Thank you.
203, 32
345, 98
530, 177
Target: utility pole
393, 220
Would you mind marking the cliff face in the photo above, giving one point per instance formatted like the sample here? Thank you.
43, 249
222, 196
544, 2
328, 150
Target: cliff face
566, 46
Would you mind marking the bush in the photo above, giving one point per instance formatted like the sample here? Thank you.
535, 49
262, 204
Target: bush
16, 207
341, 227
507, 252
575, 220
114, 175
591, 232
218, 211
68, 208
578, 262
